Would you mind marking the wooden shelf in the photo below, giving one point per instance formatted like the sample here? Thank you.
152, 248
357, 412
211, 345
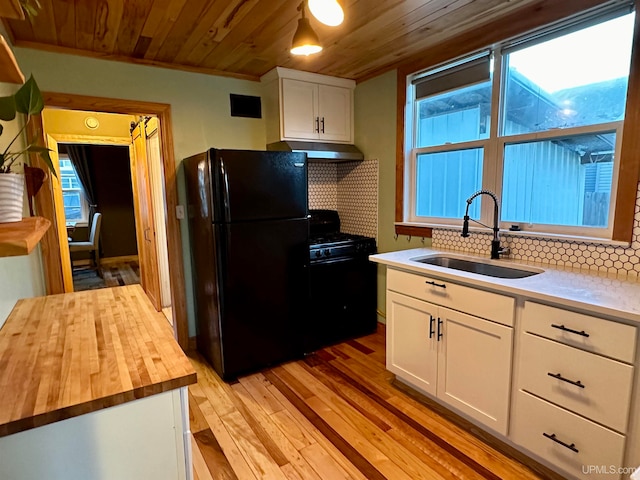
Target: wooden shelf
9, 70
11, 9
20, 238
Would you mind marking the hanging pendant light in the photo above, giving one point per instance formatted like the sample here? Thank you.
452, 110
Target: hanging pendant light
305, 40
328, 12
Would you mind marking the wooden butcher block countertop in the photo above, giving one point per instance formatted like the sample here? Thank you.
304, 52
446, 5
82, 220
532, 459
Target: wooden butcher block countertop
66, 355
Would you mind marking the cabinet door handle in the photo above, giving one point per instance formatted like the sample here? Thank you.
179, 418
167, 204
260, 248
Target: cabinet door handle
431, 330
317, 124
552, 436
441, 285
440, 334
322, 122
560, 377
565, 329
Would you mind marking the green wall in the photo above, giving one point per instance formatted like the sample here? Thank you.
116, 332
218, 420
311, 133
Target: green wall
199, 108
20, 277
375, 135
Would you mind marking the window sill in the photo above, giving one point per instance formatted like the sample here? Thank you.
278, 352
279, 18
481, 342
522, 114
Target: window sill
510, 233
413, 230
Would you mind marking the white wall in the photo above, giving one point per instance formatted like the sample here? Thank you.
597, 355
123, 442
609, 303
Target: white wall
199, 107
20, 277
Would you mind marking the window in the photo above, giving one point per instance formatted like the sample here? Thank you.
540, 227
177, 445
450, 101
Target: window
537, 120
76, 209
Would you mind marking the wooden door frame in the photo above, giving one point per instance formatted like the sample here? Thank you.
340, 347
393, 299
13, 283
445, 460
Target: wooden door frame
65, 260
44, 200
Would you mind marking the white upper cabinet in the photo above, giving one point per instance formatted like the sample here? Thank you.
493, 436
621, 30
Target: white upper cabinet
307, 106
300, 109
335, 105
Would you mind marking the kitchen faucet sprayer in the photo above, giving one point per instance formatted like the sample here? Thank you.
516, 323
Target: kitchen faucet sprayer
496, 250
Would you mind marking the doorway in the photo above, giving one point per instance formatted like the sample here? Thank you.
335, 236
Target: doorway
99, 211
53, 243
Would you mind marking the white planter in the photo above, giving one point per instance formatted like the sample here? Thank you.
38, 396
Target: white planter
11, 197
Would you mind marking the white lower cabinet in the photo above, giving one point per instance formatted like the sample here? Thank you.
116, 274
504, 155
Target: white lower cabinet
572, 405
574, 390
148, 438
595, 387
462, 360
571, 442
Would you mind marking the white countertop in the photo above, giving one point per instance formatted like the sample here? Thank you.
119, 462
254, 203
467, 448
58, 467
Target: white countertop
594, 292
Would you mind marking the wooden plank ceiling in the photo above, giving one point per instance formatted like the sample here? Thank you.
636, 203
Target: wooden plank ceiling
247, 38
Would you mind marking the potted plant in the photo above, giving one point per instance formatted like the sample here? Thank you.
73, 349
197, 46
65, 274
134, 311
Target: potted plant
27, 101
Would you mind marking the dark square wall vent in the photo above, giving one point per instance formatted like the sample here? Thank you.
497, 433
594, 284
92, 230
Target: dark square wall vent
245, 106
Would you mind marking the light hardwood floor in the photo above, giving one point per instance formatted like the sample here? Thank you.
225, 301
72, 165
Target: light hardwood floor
333, 415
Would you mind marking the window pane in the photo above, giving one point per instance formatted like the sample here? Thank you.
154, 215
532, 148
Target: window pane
71, 191
565, 181
575, 80
72, 205
458, 116
445, 180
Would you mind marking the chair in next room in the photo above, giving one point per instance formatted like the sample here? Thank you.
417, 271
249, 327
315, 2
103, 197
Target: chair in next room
92, 245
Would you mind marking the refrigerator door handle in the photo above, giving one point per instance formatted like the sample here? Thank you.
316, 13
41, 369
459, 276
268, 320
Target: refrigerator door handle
225, 190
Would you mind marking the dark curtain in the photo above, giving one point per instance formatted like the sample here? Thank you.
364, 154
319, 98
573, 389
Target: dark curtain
80, 156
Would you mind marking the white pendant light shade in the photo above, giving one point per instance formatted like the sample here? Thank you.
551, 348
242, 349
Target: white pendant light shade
328, 12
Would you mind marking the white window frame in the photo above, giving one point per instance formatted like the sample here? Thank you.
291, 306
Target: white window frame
84, 205
493, 157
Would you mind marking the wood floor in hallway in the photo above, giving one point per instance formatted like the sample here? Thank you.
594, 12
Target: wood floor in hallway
111, 275
333, 415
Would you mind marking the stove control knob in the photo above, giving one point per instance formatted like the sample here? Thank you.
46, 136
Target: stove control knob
318, 253
327, 252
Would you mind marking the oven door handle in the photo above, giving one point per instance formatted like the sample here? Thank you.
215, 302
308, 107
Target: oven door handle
327, 261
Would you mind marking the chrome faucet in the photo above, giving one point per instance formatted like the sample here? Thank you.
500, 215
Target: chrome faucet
496, 250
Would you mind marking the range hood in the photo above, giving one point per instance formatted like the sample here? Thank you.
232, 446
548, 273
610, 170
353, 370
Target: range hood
320, 151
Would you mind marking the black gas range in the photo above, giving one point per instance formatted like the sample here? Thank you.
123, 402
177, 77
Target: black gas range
334, 246
343, 283
327, 242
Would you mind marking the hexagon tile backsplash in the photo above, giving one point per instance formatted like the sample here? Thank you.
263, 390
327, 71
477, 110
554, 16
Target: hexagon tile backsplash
589, 256
351, 188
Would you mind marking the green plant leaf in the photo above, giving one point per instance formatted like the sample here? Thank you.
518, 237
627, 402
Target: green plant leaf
44, 155
28, 98
7, 108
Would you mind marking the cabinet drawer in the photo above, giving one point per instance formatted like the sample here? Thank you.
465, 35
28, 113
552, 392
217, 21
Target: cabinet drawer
606, 384
491, 306
611, 339
595, 445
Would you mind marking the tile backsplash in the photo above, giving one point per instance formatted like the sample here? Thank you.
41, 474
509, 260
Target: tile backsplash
323, 186
590, 256
351, 188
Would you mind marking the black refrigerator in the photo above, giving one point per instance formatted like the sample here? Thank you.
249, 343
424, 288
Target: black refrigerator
249, 232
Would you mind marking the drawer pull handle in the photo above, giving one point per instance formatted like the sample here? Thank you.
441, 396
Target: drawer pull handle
560, 377
431, 330
565, 329
571, 447
441, 285
440, 334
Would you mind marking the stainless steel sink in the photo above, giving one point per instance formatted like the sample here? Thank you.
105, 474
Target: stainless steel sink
480, 268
